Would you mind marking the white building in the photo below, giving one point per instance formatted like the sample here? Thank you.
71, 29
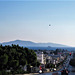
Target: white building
41, 58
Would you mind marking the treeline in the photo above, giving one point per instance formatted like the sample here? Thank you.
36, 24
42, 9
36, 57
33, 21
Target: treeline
15, 57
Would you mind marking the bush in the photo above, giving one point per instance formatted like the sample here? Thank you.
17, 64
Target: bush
3, 72
21, 71
72, 62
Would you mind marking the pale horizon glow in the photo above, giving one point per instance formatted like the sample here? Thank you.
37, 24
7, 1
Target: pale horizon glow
29, 21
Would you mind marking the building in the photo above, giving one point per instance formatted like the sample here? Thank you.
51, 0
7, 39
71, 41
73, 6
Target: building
41, 58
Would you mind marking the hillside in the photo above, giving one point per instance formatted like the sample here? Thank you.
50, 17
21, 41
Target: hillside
32, 44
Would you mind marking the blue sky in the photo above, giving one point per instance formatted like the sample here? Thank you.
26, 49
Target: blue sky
29, 21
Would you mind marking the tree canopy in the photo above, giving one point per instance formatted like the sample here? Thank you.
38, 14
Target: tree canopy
13, 57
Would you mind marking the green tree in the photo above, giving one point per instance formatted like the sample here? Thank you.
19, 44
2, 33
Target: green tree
15, 57
72, 62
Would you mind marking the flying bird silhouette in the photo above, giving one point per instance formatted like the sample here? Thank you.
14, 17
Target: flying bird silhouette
49, 24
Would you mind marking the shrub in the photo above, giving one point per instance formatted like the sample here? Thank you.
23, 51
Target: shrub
72, 62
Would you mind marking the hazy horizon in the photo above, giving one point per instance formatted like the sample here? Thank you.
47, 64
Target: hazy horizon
29, 21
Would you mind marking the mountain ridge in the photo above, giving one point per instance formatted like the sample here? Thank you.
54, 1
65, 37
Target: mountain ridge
32, 44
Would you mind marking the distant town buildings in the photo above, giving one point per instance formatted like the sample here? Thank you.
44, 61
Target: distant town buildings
50, 58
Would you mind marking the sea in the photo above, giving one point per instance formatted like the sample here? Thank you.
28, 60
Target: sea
52, 48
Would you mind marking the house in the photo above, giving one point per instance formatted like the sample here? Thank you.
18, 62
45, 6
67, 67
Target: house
54, 58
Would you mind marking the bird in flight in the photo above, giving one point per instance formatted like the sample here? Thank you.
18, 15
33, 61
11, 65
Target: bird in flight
49, 24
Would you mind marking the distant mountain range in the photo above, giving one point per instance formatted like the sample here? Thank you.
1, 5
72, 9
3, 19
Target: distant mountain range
32, 44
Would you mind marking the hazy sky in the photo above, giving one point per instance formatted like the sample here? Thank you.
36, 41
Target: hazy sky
29, 21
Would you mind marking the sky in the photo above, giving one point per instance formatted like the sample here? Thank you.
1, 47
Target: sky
29, 21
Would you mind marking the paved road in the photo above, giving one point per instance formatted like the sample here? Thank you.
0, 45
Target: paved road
51, 73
